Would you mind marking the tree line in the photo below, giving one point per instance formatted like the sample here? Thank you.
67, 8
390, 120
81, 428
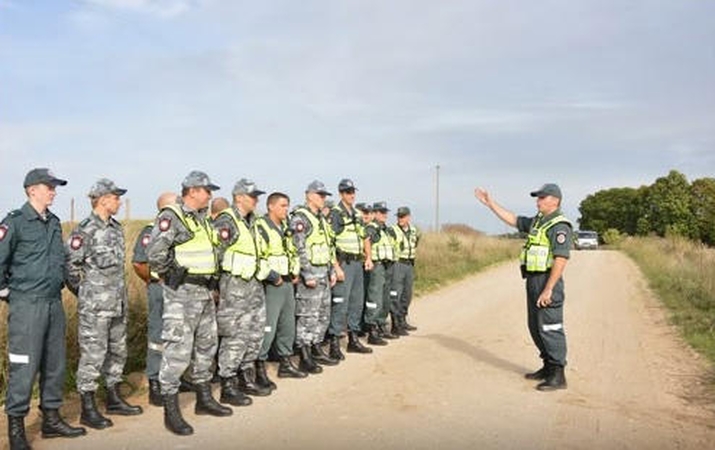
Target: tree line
671, 205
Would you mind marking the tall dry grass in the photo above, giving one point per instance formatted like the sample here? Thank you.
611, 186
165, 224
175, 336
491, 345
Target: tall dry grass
682, 273
442, 258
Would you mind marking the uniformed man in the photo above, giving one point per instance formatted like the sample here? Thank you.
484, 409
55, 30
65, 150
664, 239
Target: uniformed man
383, 255
313, 242
218, 204
182, 252
407, 239
543, 260
366, 213
366, 216
241, 311
352, 252
279, 270
32, 266
155, 303
95, 274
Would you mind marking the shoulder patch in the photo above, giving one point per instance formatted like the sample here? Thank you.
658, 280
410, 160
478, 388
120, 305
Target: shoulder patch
164, 224
224, 233
145, 240
76, 242
561, 237
3, 231
299, 227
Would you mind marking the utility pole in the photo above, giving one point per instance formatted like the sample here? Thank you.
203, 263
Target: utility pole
127, 210
436, 195
72, 210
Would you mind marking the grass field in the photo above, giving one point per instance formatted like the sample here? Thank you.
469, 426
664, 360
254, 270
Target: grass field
442, 258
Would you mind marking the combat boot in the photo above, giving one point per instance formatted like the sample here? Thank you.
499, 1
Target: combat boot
117, 405
173, 420
247, 384
555, 380
335, 351
286, 369
206, 404
54, 426
155, 393
320, 357
355, 346
407, 326
397, 328
231, 395
540, 374
385, 333
306, 361
262, 379
186, 386
374, 337
90, 416
16, 433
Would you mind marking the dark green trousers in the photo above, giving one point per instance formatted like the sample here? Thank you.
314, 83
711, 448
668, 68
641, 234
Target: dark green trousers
374, 302
546, 324
36, 343
280, 320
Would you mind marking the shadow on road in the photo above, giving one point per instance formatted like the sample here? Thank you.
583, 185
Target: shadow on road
476, 353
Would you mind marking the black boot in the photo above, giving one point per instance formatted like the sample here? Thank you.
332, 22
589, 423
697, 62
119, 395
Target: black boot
385, 333
16, 433
286, 369
306, 361
206, 404
186, 386
54, 426
354, 344
231, 395
407, 326
247, 383
90, 416
540, 374
397, 328
155, 393
262, 379
335, 351
555, 380
117, 405
173, 420
322, 358
374, 337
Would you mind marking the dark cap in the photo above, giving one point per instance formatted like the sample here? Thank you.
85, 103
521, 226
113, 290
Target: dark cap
346, 185
42, 176
247, 187
105, 186
329, 204
317, 187
403, 211
548, 189
196, 178
380, 207
363, 207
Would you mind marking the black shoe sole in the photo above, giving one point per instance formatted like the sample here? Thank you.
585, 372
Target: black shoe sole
110, 412
58, 435
237, 403
96, 426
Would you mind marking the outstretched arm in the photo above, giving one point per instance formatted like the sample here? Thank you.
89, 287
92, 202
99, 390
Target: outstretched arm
504, 214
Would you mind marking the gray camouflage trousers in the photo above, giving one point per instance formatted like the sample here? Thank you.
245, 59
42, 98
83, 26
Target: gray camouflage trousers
241, 318
312, 310
102, 348
155, 307
189, 335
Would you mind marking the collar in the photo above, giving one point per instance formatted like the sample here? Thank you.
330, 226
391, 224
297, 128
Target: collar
31, 214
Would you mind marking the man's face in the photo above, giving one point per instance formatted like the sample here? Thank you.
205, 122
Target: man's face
279, 208
404, 220
381, 217
43, 194
202, 197
317, 199
348, 196
247, 202
547, 204
111, 203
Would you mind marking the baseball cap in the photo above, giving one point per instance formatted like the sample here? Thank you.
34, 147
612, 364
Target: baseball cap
105, 186
548, 189
346, 185
403, 211
363, 207
42, 176
196, 178
380, 206
247, 187
317, 187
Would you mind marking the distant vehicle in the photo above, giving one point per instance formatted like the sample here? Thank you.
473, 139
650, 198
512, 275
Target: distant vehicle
586, 240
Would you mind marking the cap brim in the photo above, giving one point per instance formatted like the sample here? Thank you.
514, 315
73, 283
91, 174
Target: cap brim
212, 187
538, 194
56, 182
119, 191
323, 192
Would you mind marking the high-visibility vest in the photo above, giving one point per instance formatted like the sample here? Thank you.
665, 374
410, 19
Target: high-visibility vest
278, 252
350, 239
536, 255
384, 248
197, 254
406, 241
240, 258
317, 244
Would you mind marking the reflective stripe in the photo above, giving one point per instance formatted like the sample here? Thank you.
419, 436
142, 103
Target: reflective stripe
371, 305
19, 359
393, 293
337, 299
268, 329
157, 347
553, 327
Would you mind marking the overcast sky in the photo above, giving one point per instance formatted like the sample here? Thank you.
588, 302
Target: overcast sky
508, 94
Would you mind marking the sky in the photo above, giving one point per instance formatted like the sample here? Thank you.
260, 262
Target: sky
504, 95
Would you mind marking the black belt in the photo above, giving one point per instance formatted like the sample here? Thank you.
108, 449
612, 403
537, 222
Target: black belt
409, 261
198, 280
348, 257
154, 280
287, 278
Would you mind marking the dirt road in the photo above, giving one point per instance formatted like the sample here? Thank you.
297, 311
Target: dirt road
457, 382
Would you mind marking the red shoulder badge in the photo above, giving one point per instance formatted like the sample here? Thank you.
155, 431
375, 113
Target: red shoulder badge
164, 224
76, 242
3, 231
224, 234
561, 237
145, 240
299, 227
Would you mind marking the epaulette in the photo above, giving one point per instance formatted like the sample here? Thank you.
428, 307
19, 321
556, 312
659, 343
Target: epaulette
15, 213
85, 222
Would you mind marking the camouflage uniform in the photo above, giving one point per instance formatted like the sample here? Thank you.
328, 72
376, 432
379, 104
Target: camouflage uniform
95, 273
241, 314
189, 319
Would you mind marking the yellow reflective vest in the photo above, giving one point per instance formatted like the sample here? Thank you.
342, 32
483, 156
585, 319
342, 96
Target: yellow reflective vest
384, 248
317, 244
240, 258
197, 254
536, 255
406, 241
350, 239
276, 252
